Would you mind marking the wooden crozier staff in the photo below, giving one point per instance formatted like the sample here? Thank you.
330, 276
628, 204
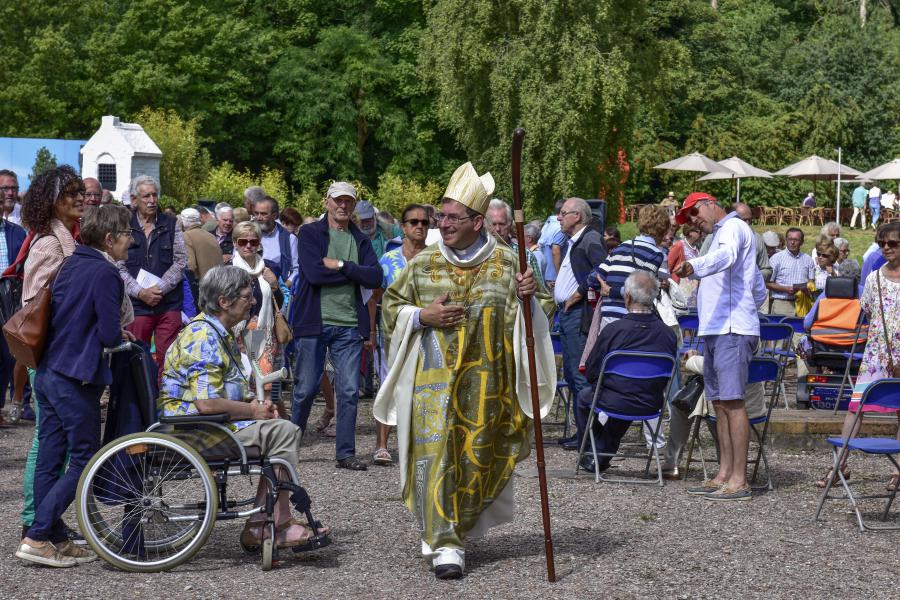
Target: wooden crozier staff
519, 217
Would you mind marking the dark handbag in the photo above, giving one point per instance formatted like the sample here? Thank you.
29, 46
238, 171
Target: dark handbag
894, 369
686, 398
10, 297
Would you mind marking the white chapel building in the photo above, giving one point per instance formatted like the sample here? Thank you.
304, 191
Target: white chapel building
118, 152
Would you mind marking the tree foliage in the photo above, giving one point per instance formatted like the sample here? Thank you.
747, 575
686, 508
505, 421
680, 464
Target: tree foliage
396, 93
185, 162
44, 160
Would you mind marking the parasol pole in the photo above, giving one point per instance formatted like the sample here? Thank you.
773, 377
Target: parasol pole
838, 192
519, 217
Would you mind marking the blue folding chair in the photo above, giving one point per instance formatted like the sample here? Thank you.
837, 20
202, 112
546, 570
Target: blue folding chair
885, 393
632, 365
689, 323
563, 396
765, 318
776, 341
761, 370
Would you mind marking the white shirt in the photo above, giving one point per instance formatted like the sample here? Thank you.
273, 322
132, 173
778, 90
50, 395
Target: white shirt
731, 286
272, 251
566, 284
874, 191
887, 200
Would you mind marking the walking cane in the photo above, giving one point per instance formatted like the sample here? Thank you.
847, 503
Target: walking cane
518, 138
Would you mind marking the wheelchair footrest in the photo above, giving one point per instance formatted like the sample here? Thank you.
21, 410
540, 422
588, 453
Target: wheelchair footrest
315, 543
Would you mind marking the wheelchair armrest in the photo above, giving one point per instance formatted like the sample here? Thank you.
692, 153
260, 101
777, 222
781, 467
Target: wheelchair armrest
214, 418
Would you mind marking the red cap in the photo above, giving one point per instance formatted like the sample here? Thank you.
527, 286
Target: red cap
681, 217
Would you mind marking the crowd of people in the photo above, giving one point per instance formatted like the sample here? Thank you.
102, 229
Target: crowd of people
431, 305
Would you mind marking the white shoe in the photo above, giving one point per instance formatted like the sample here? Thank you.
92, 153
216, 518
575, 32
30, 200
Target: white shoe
45, 554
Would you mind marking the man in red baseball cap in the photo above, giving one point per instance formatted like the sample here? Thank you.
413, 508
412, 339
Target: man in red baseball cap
730, 294
690, 208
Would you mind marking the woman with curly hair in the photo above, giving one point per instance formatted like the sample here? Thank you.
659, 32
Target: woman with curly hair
51, 210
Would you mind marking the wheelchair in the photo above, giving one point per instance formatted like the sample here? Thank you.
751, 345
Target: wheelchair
148, 501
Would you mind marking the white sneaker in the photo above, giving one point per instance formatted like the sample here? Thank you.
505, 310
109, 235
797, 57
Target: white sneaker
44, 554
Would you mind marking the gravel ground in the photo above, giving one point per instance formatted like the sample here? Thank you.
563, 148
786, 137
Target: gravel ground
611, 541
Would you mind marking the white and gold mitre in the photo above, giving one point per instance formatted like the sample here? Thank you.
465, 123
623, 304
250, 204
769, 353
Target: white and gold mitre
467, 188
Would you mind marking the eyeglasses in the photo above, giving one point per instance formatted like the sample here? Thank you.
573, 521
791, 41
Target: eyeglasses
417, 222
563, 213
9, 188
451, 219
252, 242
125, 232
248, 297
892, 244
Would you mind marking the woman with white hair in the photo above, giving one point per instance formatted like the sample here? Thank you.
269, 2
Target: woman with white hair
846, 266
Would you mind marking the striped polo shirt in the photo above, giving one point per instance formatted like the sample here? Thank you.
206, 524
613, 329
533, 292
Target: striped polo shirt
639, 253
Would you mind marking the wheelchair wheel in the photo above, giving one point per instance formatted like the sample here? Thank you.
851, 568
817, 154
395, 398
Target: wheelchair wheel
268, 548
146, 502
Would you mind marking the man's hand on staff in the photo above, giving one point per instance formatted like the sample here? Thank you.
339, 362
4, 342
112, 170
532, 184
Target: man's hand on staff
438, 314
525, 284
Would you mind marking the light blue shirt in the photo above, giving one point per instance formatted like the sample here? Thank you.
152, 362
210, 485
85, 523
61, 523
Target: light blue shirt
731, 286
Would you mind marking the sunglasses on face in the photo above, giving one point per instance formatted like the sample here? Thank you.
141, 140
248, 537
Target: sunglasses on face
417, 222
892, 244
695, 209
253, 243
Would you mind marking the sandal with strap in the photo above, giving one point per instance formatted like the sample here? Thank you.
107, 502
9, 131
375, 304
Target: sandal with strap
894, 484
251, 536
821, 483
299, 545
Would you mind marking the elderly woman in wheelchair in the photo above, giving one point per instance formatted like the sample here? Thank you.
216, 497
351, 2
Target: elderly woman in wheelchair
210, 423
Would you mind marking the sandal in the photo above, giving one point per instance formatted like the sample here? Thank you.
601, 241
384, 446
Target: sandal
894, 484
307, 530
821, 483
251, 536
382, 457
323, 422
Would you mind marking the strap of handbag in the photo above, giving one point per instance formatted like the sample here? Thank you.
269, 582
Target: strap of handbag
894, 369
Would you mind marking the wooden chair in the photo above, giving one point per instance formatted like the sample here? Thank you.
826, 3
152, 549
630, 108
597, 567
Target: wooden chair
769, 215
788, 215
818, 215
805, 215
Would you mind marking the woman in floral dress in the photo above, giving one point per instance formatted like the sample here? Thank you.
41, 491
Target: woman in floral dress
883, 326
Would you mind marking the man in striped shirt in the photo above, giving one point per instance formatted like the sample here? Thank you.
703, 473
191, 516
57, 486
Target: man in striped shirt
791, 270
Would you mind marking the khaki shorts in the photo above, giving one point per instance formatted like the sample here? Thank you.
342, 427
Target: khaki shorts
275, 438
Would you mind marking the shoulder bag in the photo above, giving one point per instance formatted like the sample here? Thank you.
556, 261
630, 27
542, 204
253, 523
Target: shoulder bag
26, 331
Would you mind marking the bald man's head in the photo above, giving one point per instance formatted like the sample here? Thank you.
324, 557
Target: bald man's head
743, 212
93, 191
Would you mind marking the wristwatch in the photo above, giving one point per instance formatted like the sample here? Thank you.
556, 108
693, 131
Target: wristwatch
340, 265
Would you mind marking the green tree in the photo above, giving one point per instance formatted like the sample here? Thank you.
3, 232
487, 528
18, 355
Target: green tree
44, 160
185, 162
571, 73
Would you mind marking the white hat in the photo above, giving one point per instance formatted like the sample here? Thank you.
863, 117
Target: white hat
470, 189
771, 239
341, 188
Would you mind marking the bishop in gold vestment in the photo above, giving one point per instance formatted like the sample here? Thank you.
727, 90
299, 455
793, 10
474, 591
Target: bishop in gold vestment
458, 388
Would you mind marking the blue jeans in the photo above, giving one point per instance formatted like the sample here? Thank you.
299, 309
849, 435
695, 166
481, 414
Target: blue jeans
573, 342
346, 347
69, 420
876, 213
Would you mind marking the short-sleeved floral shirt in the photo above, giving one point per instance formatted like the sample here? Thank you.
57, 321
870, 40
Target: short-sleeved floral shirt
199, 366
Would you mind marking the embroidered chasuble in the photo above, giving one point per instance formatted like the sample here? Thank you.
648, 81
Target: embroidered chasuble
460, 396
